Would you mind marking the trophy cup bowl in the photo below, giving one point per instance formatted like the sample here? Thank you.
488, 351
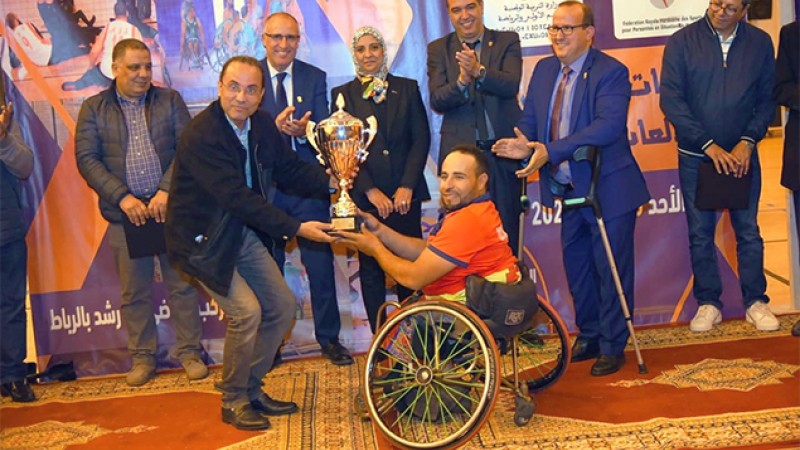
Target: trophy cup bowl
341, 143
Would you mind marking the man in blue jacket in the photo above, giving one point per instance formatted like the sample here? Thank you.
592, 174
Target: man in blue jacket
294, 93
580, 97
717, 80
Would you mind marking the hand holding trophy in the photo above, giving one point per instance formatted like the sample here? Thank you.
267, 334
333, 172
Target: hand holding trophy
341, 143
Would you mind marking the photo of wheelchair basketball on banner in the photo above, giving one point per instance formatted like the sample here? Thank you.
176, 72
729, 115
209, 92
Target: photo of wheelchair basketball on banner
233, 36
436, 368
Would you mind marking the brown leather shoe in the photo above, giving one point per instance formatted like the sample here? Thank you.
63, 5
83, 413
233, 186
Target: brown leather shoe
245, 418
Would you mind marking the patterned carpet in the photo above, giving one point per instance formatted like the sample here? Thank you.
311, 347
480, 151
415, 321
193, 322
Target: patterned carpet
730, 387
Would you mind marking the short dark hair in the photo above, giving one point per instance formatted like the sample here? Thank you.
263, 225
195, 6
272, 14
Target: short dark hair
447, 3
12, 20
244, 59
588, 13
120, 9
127, 44
481, 161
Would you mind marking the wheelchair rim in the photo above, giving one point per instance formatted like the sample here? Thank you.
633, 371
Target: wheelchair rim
445, 381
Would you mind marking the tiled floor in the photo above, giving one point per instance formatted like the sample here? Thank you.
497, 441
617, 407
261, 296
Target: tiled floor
772, 219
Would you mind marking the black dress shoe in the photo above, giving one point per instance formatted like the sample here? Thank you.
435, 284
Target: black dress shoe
584, 349
796, 329
607, 364
245, 417
337, 354
19, 391
264, 404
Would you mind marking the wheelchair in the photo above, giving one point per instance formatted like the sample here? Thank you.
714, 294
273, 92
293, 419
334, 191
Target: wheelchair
435, 370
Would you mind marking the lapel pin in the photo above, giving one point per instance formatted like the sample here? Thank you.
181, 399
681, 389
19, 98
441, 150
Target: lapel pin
585, 74
491, 43
300, 97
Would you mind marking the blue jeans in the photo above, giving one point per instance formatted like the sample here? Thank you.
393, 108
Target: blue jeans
260, 310
13, 347
707, 287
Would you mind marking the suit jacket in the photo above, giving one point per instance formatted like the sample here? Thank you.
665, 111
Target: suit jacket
309, 92
599, 116
787, 93
501, 55
210, 203
398, 154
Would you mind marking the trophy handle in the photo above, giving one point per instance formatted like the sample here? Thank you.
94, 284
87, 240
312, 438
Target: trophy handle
367, 135
312, 139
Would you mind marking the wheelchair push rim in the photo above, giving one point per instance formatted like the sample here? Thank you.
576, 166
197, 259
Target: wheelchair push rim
432, 376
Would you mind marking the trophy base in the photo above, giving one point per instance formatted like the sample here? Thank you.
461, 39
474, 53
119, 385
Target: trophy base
352, 223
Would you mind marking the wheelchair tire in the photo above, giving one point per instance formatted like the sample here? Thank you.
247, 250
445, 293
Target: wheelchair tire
432, 375
544, 350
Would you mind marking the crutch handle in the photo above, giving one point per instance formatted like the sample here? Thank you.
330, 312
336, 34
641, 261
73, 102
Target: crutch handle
589, 154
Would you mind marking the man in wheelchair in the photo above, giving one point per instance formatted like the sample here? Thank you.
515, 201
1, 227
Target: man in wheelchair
467, 257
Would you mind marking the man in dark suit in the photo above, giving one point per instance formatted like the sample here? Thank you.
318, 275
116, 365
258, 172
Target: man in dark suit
580, 96
294, 93
473, 78
787, 93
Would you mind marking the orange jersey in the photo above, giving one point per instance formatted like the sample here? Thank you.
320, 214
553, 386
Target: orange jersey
473, 238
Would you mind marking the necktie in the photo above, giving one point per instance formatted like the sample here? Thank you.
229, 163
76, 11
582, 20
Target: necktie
282, 102
555, 114
280, 93
561, 171
480, 113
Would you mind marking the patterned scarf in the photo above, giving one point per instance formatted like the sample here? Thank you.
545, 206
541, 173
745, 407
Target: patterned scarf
375, 86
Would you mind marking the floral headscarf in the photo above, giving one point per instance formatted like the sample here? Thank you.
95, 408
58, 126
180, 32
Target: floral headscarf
375, 84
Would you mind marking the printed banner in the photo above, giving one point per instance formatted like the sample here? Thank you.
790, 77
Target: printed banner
49, 50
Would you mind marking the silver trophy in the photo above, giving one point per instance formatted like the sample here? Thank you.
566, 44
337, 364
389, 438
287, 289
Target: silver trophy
341, 143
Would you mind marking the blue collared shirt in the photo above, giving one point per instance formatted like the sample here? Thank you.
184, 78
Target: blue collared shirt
242, 134
142, 166
563, 174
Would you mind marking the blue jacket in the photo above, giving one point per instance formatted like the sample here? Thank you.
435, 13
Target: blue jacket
708, 100
599, 115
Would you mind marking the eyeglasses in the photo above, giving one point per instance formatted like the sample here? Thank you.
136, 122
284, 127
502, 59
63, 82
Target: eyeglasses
235, 88
290, 38
566, 30
729, 10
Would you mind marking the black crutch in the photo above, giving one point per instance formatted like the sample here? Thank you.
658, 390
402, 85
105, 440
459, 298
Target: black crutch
591, 155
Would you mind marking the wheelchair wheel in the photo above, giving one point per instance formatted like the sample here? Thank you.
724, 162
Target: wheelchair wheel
544, 350
431, 375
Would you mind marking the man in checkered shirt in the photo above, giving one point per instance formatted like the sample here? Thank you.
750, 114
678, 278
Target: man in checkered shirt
125, 142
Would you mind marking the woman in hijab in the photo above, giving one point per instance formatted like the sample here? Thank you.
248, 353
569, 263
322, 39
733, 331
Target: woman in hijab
390, 184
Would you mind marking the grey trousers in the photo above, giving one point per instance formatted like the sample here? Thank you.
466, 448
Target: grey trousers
136, 278
260, 309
